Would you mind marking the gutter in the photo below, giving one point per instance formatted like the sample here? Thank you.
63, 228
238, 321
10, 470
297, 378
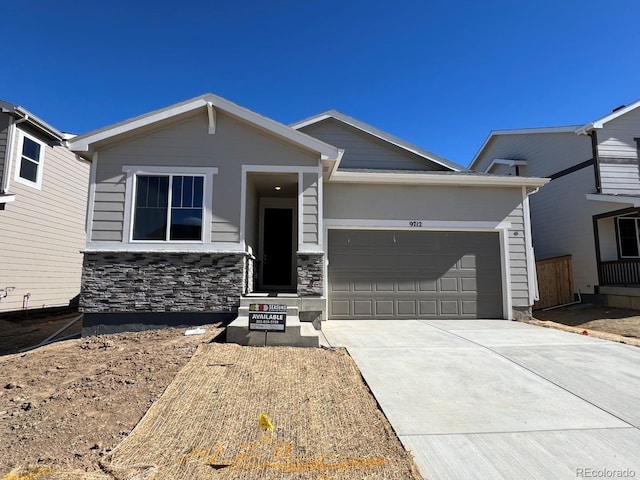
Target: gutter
584, 130
24, 116
4, 187
426, 179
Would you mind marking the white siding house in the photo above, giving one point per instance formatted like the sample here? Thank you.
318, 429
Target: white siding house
43, 204
588, 210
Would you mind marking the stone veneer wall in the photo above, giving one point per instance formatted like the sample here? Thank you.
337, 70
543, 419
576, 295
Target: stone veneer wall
161, 282
522, 313
310, 274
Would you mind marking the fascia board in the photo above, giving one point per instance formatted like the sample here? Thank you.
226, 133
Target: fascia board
375, 132
505, 161
302, 139
599, 123
519, 131
31, 119
82, 143
600, 197
311, 120
336, 164
40, 124
454, 180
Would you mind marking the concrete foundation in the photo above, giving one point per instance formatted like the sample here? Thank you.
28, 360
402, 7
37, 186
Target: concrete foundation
621, 297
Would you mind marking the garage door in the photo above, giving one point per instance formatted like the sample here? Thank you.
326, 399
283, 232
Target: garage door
376, 274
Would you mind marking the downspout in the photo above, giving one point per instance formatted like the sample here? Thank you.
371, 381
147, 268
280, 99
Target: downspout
596, 244
532, 277
4, 188
565, 304
596, 159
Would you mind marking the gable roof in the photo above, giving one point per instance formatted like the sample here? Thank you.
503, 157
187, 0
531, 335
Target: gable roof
599, 123
578, 129
387, 137
83, 144
37, 123
519, 131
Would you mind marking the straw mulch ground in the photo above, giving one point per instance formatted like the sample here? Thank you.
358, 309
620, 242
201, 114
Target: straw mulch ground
206, 424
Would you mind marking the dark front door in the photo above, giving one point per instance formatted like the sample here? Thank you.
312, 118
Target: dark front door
277, 248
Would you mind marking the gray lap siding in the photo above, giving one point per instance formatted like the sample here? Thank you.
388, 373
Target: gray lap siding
187, 144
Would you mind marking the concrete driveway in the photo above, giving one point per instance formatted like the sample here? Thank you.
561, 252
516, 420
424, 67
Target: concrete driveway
493, 399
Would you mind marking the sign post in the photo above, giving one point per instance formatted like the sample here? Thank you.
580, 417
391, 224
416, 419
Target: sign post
267, 317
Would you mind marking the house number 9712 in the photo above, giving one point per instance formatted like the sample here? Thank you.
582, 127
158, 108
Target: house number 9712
415, 223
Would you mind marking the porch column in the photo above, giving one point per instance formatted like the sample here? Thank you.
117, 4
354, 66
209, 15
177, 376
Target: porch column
310, 257
310, 274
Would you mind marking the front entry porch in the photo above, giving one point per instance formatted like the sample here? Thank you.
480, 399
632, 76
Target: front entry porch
281, 231
302, 321
617, 236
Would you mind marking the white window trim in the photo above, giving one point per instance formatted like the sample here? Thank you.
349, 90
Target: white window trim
299, 170
207, 204
38, 183
619, 238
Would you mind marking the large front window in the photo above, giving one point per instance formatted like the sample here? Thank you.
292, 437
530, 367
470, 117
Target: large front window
628, 237
168, 207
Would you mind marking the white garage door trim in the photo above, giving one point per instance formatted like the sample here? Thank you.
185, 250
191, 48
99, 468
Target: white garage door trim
502, 228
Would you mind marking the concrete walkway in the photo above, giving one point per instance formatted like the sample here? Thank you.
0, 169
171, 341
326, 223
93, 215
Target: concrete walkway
493, 399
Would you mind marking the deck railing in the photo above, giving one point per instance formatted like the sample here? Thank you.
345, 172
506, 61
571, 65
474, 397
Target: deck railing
622, 272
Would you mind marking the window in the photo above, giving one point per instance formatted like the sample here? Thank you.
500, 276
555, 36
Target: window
29, 168
168, 207
628, 237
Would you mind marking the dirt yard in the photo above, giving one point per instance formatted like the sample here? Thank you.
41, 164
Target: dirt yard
68, 403
66, 406
617, 324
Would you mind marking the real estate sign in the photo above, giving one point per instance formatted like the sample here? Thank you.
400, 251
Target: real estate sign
267, 317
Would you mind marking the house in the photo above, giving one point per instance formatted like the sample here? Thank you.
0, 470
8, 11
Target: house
198, 206
43, 201
590, 210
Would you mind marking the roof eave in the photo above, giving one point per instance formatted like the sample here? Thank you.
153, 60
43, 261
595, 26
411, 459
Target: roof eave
445, 180
586, 129
83, 143
600, 122
33, 120
375, 132
519, 131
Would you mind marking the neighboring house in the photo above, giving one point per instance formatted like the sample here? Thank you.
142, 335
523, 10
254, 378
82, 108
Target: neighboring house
43, 201
591, 208
196, 205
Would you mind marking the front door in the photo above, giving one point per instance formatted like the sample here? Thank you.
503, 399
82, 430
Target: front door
277, 249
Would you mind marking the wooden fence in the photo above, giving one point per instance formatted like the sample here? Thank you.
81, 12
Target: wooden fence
555, 282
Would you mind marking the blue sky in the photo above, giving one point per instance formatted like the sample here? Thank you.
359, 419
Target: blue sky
440, 74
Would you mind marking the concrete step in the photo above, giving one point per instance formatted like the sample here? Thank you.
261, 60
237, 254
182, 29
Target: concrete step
292, 311
292, 300
310, 309
296, 334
